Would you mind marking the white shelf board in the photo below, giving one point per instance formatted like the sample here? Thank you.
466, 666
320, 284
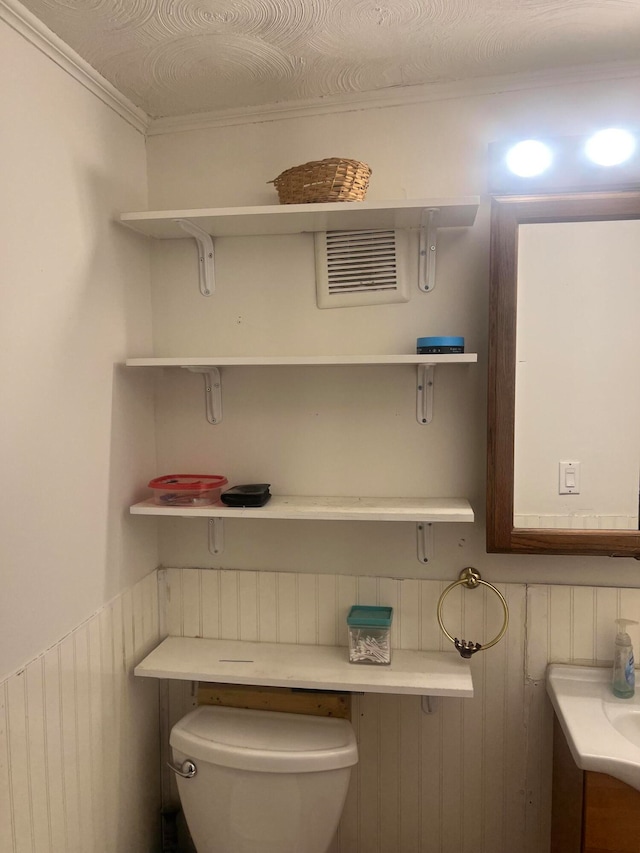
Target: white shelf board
275, 360
312, 667
425, 510
278, 360
297, 218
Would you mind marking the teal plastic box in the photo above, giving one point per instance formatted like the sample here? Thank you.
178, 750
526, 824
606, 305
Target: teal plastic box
370, 634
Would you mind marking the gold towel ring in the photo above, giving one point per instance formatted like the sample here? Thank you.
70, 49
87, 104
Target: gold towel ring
471, 579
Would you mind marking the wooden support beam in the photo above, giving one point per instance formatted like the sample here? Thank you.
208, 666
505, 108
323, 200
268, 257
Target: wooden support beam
319, 703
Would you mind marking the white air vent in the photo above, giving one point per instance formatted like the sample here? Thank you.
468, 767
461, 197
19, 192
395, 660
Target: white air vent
360, 268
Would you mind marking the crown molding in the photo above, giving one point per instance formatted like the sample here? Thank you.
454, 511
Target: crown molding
20, 19
24, 22
395, 97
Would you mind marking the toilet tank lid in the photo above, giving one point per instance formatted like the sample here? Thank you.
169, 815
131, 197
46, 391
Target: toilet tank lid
265, 741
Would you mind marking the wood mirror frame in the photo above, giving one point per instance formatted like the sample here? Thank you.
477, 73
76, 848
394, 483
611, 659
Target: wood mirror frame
507, 214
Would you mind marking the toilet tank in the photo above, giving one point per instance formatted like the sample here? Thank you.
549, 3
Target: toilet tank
266, 782
265, 741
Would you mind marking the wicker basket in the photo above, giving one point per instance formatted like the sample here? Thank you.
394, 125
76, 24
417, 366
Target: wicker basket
335, 179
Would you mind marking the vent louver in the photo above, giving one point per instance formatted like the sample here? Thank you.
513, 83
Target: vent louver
360, 268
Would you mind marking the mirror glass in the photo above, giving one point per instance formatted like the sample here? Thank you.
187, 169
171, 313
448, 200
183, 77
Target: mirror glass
577, 389
563, 459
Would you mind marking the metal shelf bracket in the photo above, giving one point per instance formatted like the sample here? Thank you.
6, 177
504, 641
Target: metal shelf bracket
428, 249
424, 537
425, 541
212, 392
205, 255
424, 393
216, 535
429, 704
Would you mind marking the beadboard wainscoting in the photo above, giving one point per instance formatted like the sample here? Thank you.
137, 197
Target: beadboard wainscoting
577, 521
575, 624
473, 777
79, 763
469, 778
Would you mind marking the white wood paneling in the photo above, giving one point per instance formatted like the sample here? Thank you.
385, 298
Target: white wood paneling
20, 775
474, 777
7, 819
79, 764
575, 624
451, 782
577, 521
52, 719
36, 729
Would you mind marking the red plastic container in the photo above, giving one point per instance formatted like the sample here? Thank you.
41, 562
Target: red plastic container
187, 489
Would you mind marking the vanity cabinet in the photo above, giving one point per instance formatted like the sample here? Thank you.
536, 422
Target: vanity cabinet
591, 812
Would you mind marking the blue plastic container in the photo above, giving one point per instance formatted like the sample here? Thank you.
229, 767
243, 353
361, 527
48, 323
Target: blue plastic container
439, 345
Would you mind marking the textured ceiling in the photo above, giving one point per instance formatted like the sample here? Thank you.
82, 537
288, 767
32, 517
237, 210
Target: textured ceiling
175, 57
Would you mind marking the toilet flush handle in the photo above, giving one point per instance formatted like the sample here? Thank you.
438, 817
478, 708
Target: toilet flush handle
187, 769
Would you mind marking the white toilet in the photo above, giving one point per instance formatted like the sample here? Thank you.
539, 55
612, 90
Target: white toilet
261, 781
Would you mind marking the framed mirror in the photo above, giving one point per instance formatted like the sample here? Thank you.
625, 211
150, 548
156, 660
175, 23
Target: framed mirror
564, 375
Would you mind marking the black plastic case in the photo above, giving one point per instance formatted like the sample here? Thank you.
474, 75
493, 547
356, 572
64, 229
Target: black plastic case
251, 494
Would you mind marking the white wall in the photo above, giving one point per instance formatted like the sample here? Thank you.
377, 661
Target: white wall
78, 442
77, 436
353, 431
79, 763
347, 431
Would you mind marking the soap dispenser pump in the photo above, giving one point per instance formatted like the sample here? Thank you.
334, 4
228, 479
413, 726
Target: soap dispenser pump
624, 679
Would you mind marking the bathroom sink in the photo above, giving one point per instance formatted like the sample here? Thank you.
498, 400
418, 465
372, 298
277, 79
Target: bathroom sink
625, 720
603, 732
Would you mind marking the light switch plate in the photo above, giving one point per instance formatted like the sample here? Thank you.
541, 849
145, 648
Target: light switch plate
569, 478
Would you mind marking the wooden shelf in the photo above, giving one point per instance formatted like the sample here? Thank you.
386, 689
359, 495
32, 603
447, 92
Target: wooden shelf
309, 360
425, 215
298, 218
209, 367
421, 510
310, 667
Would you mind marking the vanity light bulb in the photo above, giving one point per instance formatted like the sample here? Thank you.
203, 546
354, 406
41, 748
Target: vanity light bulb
610, 147
529, 158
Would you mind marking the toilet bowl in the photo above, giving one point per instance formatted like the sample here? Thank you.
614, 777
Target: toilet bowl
262, 781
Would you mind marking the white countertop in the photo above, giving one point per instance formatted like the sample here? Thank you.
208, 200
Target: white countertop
311, 667
602, 731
